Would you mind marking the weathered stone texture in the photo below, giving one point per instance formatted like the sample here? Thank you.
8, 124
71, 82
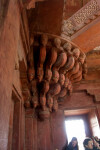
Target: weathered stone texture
8, 45
89, 37
72, 6
30, 133
44, 17
9, 77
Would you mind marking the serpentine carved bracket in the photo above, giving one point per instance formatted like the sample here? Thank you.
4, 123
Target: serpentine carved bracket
54, 65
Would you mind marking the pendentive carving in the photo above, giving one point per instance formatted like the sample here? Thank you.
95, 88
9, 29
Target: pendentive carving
74, 70
42, 57
61, 79
77, 74
55, 104
50, 102
51, 59
34, 91
76, 53
56, 64
66, 81
63, 92
61, 59
44, 87
31, 69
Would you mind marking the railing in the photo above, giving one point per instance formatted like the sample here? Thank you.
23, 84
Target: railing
81, 18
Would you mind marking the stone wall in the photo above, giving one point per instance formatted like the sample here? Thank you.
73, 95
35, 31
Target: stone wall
8, 45
50, 134
47, 17
10, 78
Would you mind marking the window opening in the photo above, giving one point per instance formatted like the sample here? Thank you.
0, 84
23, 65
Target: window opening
76, 128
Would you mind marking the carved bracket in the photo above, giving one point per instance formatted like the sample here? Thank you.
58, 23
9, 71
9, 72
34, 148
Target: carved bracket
54, 64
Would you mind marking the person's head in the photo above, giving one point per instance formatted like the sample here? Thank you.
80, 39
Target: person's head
88, 143
96, 138
74, 141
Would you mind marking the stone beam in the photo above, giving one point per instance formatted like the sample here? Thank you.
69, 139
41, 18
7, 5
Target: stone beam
89, 37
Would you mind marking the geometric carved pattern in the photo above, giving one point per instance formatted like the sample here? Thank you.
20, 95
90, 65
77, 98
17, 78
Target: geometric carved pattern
54, 65
89, 10
87, 13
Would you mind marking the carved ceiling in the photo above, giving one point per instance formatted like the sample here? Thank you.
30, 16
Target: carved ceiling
42, 19
54, 65
72, 6
81, 18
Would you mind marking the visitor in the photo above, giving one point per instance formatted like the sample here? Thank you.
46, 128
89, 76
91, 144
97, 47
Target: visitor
97, 139
73, 145
90, 144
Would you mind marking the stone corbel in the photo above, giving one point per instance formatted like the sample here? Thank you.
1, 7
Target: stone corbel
55, 63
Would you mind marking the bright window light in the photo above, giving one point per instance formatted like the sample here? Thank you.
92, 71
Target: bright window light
75, 128
95, 127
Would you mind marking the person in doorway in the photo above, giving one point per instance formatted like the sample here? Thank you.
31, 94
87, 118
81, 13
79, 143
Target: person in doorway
96, 139
90, 144
73, 145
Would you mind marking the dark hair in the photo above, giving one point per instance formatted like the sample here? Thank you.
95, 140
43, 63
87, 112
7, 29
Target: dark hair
74, 139
85, 142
